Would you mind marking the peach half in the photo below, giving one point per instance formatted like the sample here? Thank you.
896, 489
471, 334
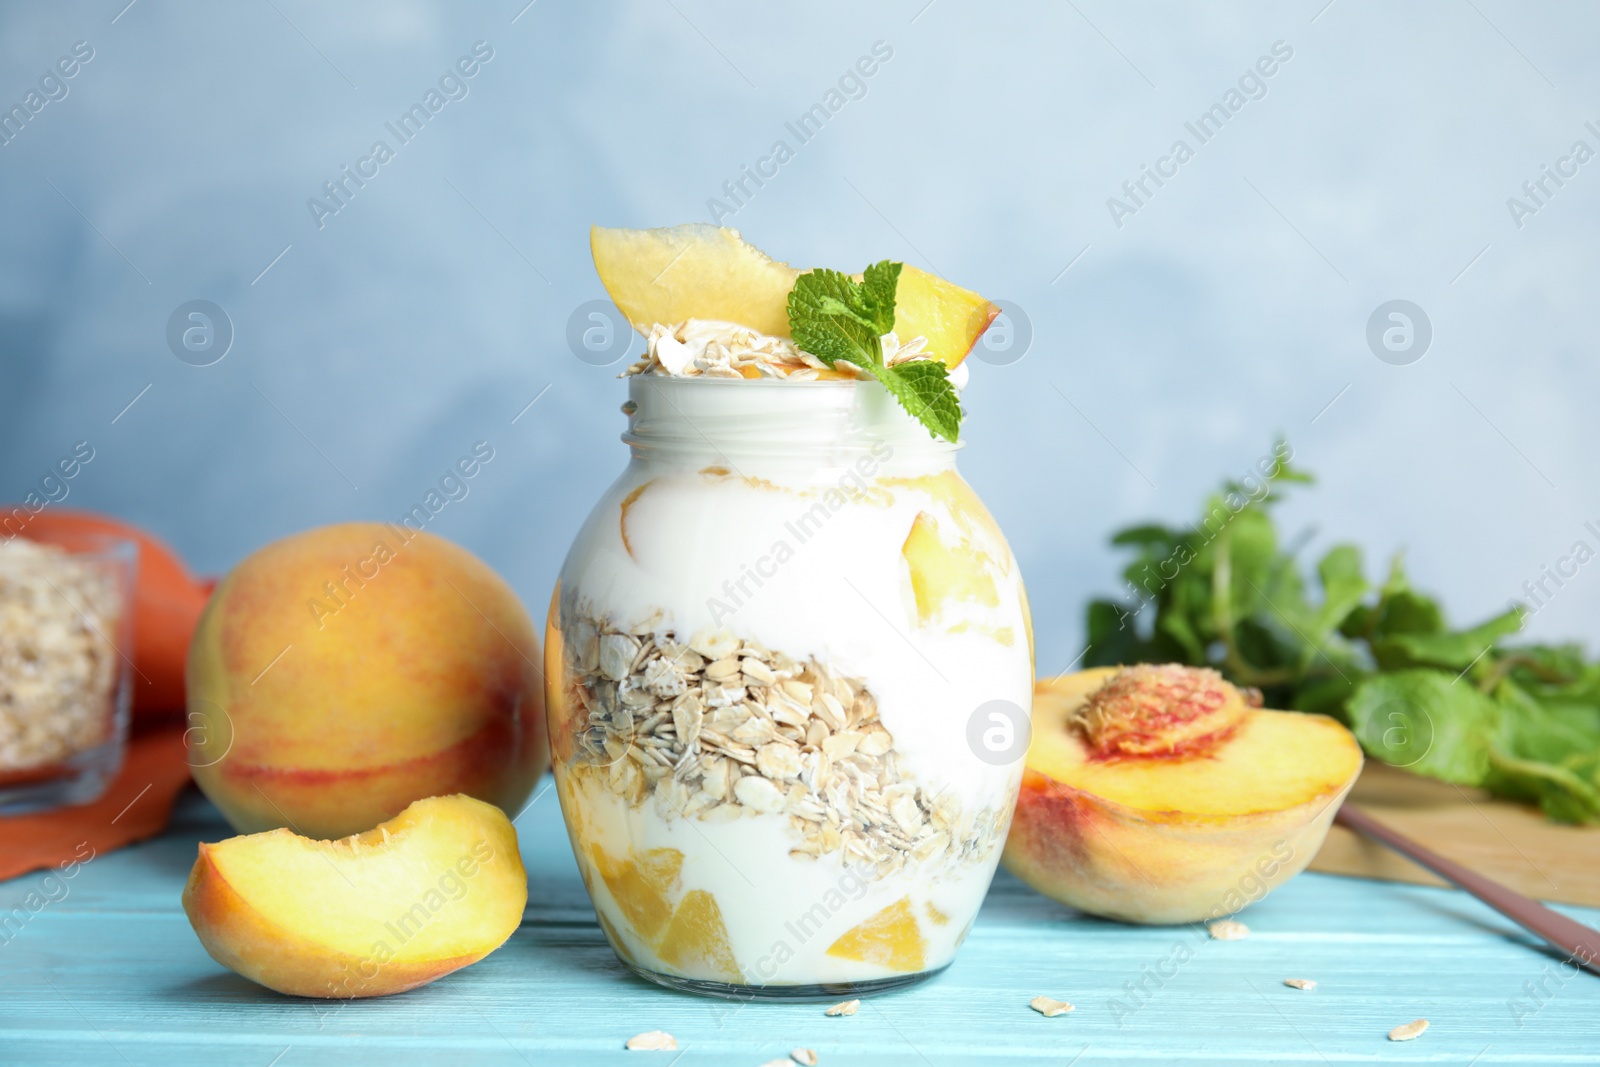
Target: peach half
699, 271
1156, 794
436, 888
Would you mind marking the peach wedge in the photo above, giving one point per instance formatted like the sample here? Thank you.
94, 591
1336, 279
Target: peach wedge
436, 888
1158, 795
699, 271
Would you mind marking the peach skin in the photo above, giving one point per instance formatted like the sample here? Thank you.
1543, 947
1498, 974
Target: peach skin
1157, 795
339, 674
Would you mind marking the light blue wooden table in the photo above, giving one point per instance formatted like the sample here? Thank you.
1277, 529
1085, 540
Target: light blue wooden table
112, 974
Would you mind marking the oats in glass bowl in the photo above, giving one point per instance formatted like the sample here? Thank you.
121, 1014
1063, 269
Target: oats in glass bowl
59, 668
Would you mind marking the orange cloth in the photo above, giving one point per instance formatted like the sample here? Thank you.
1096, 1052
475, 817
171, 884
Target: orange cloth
136, 806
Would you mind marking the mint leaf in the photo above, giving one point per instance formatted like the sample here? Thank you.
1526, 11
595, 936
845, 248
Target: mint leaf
1568, 792
1543, 730
1419, 720
828, 319
923, 388
838, 320
1148, 534
878, 285
1456, 650
1344, 587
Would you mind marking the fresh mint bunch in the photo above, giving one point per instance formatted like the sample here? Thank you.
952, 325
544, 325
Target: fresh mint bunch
838, 319
1459, 704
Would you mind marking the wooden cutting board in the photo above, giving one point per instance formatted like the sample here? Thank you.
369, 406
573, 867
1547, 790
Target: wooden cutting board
1511, 843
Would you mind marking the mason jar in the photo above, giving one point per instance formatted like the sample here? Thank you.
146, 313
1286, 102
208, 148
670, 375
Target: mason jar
790, 667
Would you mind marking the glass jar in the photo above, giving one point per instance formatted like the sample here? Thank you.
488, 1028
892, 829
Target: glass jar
66, 646
765, 655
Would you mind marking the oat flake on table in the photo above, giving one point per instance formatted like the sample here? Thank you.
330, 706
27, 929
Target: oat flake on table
804, 1056
1408, 1031
849, 1007
652, 1041
1049, 1007
1228, 930
1307, 984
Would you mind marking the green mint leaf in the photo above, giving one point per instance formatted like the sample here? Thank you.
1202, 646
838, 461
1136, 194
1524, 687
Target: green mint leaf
838, 319
1545, 730
1160, 537
923, 388
833, 306
1175, 628
1344, 587
1422, 721
828, 318
1568, 792
878, 285
1452, 650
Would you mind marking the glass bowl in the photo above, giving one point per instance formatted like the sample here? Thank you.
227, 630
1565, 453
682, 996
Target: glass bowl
66, 666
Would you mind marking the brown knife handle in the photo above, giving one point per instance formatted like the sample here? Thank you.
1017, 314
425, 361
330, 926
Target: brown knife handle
1580, 943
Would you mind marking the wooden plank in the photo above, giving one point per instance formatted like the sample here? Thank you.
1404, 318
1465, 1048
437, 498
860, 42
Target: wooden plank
1511, 843
111, 973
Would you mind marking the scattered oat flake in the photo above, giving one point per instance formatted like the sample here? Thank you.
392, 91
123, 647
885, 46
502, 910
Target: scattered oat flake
849, 1007
1228, 930
653, 1041
1049, 1008
1408, 1031
781, 1061
804, 1056
1308, 984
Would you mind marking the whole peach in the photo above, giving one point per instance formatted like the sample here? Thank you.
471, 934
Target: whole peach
339, 674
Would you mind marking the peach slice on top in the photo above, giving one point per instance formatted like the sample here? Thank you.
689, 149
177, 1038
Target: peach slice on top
438, 887
696, 271
699, 271
950, 317
1156, 794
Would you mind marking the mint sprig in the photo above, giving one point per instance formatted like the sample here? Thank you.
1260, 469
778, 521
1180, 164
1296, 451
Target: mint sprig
840, 320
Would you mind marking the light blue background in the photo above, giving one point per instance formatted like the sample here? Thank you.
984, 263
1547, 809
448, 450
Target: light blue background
426, 314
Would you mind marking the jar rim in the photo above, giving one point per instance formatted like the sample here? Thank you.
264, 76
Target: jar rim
85, 544
676, 380
686, 414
